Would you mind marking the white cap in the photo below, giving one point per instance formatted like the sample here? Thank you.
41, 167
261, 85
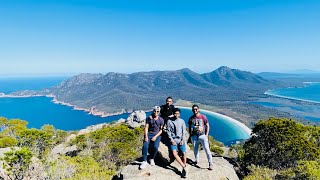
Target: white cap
157, 108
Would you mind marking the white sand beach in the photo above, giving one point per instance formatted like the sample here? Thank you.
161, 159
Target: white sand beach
290, 98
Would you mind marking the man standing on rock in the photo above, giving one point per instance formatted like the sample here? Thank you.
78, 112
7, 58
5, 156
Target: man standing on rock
152, 135
176, 130
199, 131
167, 113
167, 109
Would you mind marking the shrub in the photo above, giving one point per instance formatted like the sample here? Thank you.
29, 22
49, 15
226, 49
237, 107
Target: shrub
307, 170
7, 142
74, 168
260, 173
279, 144
59, 136
216, 149
13, 127
112, 146
213, 142
38, 141
236, 151
49, 129
17, 162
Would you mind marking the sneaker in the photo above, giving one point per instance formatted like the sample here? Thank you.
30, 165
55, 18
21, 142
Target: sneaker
210, 166
143, 165
152, 162
184, 172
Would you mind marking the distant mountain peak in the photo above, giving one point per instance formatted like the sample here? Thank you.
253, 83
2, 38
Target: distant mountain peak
223, 69
185, 70
81, 79
88, 75
226, 76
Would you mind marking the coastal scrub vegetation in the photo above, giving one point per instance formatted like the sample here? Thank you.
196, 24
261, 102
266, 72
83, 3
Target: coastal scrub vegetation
112, 146
17, 162
215, 146
278, 149
282, 149
39, 153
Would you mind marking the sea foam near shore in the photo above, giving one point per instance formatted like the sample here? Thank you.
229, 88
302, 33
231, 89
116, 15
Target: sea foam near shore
270, 93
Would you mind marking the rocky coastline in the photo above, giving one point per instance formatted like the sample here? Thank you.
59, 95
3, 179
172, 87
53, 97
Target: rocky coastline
92, 110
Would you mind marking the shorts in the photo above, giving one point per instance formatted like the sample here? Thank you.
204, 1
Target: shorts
182, 148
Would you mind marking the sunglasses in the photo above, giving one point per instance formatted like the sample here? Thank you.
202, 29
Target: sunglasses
195, 109
157, 111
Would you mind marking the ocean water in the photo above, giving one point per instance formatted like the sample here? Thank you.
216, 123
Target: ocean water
309, 93
38, 111
220, 128
8, 85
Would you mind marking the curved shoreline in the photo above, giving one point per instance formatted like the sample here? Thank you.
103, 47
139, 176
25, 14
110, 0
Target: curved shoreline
290, 98
311, 82
269, 92
14, 96
91, 110
227, 118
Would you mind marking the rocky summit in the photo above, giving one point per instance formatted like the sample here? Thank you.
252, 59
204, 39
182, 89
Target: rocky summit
222, 169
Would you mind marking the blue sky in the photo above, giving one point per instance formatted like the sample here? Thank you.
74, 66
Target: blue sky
65, 37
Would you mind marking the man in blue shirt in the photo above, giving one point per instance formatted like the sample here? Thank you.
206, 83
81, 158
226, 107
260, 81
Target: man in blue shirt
152, 135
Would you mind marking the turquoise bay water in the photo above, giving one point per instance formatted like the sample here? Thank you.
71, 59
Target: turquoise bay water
309, 92
38, 111
220, 128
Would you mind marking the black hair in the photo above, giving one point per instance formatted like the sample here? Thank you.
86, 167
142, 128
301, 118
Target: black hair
193, 106
176, 109
169, 98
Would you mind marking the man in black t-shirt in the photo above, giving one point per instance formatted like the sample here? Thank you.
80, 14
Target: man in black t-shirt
166, 113
167, 110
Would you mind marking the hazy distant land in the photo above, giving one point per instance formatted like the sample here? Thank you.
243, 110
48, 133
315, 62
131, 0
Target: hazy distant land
224, 90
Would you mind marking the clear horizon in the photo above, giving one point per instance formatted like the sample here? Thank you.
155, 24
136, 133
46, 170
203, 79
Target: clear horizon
71, 37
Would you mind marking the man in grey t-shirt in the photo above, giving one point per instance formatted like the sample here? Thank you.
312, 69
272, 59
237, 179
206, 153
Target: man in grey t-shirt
176, 129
